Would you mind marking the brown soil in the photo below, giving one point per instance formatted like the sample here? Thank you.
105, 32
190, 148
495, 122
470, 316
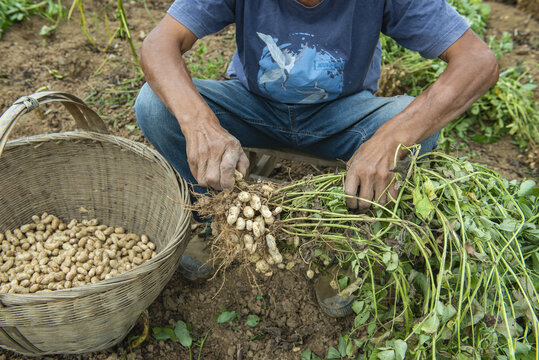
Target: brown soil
291, 321
529, 6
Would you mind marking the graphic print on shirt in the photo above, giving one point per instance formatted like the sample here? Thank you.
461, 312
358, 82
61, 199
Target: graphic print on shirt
298, 72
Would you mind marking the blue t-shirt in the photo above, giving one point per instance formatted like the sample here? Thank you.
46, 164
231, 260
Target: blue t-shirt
296, 54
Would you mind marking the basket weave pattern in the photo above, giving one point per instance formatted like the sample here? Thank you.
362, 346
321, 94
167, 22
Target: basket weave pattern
85, 175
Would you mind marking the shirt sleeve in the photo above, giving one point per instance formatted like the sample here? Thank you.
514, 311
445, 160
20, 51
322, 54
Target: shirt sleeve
203, 17
426, 26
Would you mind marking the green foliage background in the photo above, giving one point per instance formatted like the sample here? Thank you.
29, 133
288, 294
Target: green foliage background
507, 108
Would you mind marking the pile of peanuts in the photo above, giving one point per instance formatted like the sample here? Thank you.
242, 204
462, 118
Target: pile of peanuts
49, 255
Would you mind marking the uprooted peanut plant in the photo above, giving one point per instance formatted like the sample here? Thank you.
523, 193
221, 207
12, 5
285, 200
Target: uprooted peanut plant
448, 269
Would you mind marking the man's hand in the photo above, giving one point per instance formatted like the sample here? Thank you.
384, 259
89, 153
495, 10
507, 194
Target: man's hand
213, 155
471, 71
369, 169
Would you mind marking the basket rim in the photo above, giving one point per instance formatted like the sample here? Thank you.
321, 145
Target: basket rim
129, 276
139, 147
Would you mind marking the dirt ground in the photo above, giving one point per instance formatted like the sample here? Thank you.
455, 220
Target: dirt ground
290, 319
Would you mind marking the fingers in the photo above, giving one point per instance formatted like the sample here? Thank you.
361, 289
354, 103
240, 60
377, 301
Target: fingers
212, 176
192, 160
371, 177
213, 164
366, 192
351, 183
233, 159
243, 163
393, 190
228, 165
380, 193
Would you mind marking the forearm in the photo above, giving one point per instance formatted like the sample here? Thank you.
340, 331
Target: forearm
467, 76
167, 74
212, 152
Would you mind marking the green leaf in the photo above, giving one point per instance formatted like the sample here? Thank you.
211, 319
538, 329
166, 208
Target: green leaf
508, 330
258, 336
386, 355
446, 312
428, 187
525, 206
226, 316
391, 260
361, 319
343, 281
171, 334
521, 348
350, 349
183, 335
371, 328
252, 320
424, 207
358, 305
423, 339
509, 225
342, 346
529, 86
478, 314
431, 324
46, 29
362, 254
400, 349
306, 354
526, 188
333, 353
421, 280
160, 333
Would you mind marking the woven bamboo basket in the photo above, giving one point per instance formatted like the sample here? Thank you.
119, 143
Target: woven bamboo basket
84, 175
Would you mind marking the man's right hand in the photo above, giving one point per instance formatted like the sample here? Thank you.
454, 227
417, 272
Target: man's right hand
213, 154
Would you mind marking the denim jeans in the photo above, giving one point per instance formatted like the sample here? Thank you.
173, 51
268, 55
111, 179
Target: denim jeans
332, 130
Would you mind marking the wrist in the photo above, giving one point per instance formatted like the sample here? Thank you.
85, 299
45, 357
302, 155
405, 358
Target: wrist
402, 130
196, 119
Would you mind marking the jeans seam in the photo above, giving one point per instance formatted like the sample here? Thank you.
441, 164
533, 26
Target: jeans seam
249, 120
355, 129
257, 122
360, 131
292, 118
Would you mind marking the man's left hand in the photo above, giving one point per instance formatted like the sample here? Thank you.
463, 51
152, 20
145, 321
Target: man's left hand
369, 169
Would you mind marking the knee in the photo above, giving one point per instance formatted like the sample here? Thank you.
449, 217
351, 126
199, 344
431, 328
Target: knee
149, 111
